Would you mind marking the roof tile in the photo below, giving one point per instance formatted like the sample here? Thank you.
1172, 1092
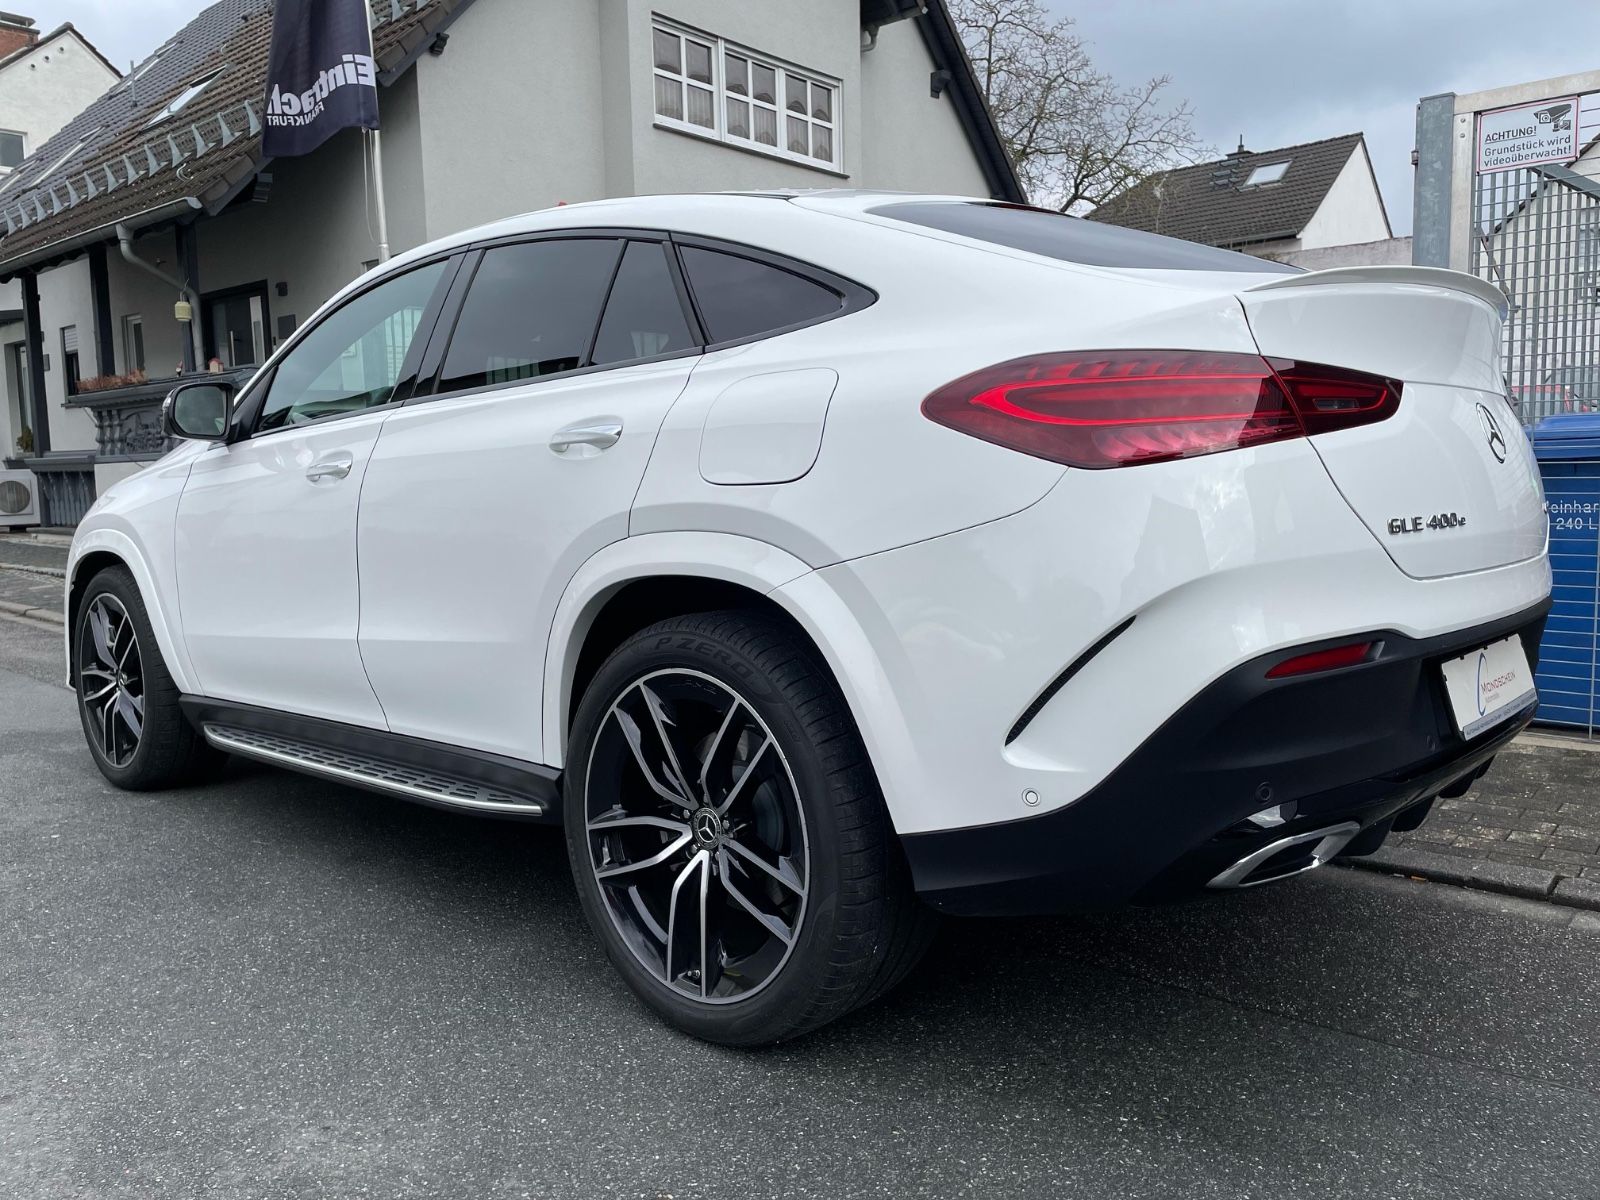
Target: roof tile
1210, 203
124, 166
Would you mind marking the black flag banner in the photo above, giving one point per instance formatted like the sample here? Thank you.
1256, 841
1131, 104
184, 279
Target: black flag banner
320, 74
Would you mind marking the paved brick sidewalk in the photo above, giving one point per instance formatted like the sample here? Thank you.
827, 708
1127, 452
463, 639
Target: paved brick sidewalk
27, 593
1531, 826
21, 551
1538, 804
31, 577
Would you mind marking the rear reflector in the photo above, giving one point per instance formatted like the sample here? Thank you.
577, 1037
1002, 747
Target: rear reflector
1121, 408
1322, 660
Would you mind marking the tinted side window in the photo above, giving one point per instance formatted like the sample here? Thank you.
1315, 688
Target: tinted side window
353, 358
739, 297
1073, 239
530, 311
643, 316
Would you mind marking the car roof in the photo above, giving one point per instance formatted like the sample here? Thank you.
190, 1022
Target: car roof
764, 218
671, 212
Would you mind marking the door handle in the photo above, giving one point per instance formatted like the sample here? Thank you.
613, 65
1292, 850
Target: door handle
329, 468
588, 438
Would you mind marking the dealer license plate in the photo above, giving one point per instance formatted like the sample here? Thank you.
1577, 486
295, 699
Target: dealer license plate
1489, 686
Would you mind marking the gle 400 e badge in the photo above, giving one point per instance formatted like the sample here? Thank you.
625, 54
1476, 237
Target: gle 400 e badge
1449, 520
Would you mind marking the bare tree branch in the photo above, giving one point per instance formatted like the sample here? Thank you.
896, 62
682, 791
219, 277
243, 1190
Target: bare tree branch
1076, 136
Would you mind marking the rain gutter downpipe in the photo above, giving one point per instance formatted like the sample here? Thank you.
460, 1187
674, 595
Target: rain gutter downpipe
193, 352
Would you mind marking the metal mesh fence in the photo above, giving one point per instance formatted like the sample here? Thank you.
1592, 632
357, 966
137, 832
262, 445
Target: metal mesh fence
1536, 237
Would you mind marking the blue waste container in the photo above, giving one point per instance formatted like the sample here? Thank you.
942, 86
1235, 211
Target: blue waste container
1568, 449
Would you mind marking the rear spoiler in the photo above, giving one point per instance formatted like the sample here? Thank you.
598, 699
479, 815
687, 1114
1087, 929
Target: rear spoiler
1456, 281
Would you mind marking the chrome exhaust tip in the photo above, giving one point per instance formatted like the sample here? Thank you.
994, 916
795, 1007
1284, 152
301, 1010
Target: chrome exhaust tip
1269, 864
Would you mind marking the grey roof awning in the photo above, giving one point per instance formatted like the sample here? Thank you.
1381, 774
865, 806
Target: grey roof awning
110, 163
884, 12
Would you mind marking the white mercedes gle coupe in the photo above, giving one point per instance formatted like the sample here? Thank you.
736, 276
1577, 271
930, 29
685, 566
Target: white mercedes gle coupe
825, 560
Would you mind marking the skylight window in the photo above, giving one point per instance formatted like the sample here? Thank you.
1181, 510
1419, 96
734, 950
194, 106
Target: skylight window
1267, 173
62, 161
182, 100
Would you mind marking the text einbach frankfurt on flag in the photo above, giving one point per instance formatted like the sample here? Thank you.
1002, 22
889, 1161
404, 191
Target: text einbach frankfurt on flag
321, 77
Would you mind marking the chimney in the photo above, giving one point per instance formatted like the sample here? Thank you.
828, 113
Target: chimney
16, 33
1222, 175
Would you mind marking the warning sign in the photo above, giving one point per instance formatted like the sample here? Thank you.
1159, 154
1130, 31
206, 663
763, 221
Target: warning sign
1545, 131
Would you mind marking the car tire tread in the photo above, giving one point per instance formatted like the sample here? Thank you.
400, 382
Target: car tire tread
879, 927
172, 752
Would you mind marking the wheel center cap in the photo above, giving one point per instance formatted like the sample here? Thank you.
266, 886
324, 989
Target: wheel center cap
706, 826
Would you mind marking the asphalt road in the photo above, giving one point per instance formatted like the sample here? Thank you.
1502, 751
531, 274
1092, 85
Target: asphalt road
276, 987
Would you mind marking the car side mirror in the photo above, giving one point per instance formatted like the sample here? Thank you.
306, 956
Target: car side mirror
198, 411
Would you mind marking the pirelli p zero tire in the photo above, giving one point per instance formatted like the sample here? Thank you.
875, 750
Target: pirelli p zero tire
127, 701
728, 838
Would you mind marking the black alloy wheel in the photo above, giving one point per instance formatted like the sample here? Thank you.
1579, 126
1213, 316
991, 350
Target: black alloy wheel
696, 836
111, 680
729, 841
127, 699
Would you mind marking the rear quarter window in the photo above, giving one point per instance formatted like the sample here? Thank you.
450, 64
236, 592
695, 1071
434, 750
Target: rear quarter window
740, 298
1073, 239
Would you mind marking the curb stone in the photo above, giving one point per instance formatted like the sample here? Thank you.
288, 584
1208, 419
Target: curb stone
1545, 739
34, 569
1580, 893
31, 613
1530, 883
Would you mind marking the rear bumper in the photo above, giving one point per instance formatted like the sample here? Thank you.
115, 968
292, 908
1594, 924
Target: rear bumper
1359, 745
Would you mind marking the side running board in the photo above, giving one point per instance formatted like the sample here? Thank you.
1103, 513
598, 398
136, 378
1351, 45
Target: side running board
427, 772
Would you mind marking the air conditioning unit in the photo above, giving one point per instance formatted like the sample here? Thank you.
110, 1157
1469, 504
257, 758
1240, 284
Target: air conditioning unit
19, 499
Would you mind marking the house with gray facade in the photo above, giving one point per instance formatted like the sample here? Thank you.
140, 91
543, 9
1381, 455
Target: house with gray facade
150, 237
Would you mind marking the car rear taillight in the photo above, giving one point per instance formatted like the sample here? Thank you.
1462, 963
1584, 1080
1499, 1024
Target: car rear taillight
1121, 408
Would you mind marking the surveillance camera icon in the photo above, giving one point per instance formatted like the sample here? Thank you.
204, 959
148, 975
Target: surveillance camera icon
1557, 116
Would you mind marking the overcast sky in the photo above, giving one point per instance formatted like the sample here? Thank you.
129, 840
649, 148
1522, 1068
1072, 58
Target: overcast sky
1276, 71
1286, 71
123, 30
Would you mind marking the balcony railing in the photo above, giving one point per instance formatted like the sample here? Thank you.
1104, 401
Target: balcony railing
127, 420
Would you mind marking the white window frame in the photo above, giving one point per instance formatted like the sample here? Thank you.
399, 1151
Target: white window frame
783, 71
681, 80
1281, 168
130, 322
4, 170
